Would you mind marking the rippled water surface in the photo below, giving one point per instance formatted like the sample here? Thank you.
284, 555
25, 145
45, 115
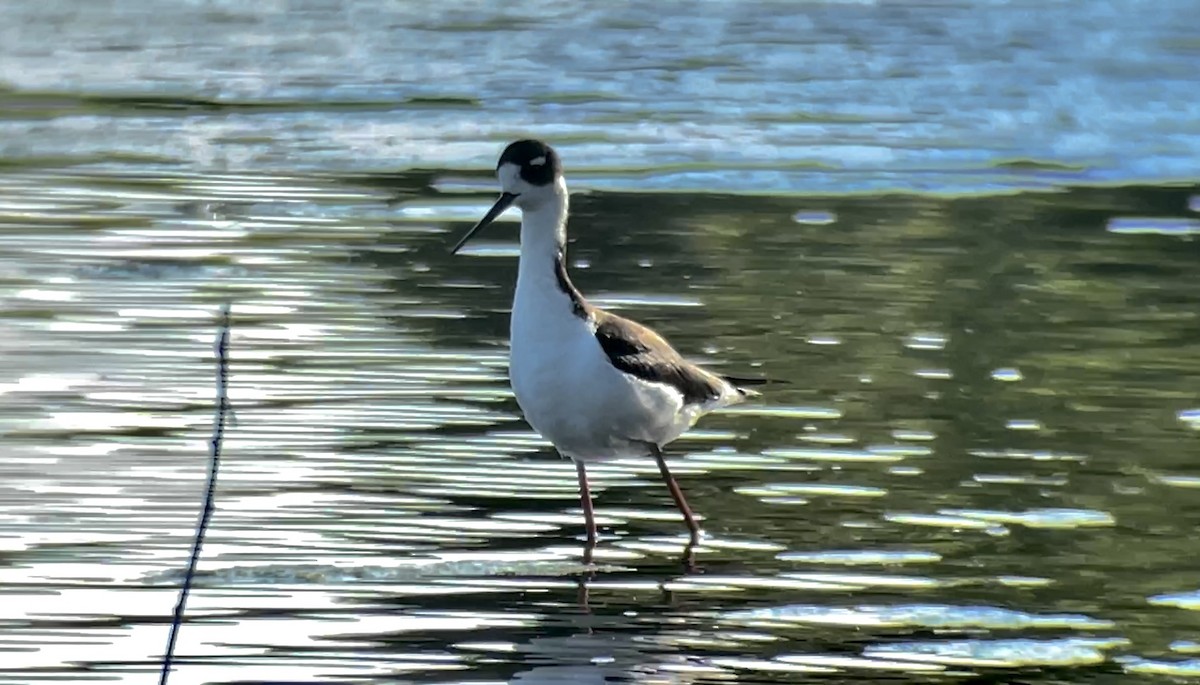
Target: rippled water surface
982, 467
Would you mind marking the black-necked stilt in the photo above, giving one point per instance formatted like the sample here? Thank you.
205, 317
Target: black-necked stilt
594, 384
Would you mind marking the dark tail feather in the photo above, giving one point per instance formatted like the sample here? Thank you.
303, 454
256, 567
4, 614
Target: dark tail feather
746, 380
742, 383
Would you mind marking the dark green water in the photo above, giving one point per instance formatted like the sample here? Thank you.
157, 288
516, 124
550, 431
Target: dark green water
983, 463
963, 235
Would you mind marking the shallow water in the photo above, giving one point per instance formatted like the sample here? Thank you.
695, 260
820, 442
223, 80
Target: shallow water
982, 467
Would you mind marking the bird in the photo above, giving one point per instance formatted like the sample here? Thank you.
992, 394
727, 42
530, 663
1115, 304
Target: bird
596, 385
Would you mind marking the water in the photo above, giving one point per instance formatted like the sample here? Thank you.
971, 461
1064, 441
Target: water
965, 235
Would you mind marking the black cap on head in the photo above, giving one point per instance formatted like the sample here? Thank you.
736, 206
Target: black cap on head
537, 161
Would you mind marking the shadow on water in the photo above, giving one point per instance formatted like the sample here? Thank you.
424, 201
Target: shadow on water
981, 470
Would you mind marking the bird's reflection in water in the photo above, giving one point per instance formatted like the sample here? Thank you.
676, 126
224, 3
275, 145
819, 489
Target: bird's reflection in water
594, 659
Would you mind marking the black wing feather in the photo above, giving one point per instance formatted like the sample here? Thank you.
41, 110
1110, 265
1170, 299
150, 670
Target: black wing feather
638, 351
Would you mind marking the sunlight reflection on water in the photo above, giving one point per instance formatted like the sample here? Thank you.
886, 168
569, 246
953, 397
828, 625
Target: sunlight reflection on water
980, 459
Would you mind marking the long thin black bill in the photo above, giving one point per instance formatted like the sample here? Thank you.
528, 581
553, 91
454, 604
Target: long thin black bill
505, 201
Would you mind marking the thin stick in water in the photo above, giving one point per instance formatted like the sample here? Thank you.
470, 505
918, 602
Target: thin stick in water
214, 460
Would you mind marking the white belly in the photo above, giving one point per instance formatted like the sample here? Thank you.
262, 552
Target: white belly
572, 395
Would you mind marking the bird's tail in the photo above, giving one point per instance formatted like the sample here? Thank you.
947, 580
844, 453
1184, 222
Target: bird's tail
740, 384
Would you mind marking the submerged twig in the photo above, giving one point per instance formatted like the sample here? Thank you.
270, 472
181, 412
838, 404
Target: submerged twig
214, 460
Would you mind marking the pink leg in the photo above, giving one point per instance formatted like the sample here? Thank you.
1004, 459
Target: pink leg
677, 495
589, 515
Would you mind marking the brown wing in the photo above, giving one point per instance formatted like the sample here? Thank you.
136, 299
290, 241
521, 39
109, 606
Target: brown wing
638, 351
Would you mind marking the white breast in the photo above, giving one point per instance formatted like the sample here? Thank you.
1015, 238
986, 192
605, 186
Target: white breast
568, 389
572, 395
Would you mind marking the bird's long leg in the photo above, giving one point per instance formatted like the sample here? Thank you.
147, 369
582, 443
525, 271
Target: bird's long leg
589, 515
677, 495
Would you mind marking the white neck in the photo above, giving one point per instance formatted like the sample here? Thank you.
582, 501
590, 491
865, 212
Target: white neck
543, 238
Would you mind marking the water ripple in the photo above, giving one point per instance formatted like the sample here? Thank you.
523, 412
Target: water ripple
383, 512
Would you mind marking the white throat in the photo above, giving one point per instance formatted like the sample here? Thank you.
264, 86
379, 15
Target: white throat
544, 315
543, 240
